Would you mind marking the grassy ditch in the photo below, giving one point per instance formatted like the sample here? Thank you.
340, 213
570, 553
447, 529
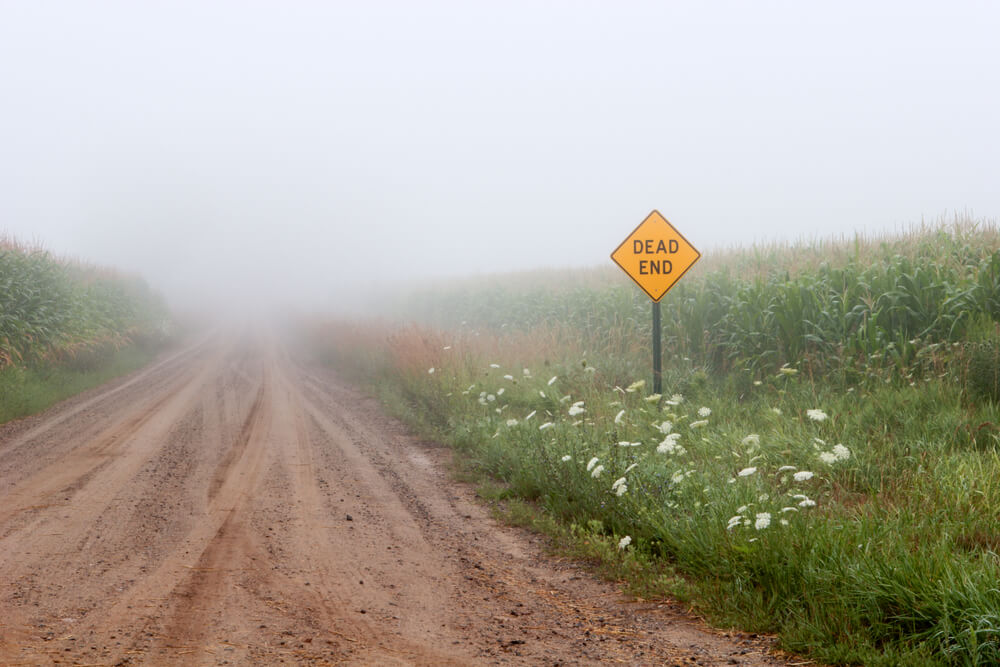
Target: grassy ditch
852, 512
29, 390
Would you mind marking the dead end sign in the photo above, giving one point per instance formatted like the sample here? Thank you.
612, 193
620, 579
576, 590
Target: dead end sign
655, 255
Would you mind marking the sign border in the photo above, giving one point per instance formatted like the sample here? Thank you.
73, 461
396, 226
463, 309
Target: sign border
629, 235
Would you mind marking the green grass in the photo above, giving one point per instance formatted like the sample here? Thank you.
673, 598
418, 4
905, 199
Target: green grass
886, 554
28, 391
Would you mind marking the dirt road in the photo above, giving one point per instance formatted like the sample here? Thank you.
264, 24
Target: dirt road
229, 506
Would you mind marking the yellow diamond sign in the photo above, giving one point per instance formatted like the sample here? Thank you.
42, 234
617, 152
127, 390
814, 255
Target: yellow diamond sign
655, 255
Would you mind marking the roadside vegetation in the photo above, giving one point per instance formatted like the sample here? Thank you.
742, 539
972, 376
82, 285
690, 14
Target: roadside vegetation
67, 326
823, 463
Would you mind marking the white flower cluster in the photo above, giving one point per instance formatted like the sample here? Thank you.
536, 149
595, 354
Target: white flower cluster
817, 415
835, 455
669, 445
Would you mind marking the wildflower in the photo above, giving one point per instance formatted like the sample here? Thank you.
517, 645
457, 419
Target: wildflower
676, 399
631, 468
635, 386
596, 472
552, 380
545, 426
734, 521
494, 365
776, 411
785, 370
591, 463
576, 409
446, 347
618, 417
704, 412
500, 391
508, 377
802, 476
742, 508
746, 472
567, 458
817, 415
786, 510
653, 398
619, 486
839, 453
530, 415
699, 423
626, 443
589, 369
669, 445
566, 399
784, 522
807, 503
624, 542
527, 373
491, 398
430, 371
757, 383
786, 469
541, 393
752, 439
677, 477
763, 521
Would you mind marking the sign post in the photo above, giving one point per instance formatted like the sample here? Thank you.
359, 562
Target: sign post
655, 255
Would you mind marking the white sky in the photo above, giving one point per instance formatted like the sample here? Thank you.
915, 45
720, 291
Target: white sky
313, 148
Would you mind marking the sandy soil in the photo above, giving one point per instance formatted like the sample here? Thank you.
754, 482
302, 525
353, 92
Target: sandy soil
228, 506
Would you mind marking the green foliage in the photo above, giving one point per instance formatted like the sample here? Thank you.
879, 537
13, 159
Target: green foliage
29, 390
52, 310
888, 313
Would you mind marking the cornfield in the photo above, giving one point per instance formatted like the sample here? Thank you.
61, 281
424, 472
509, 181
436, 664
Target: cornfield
58, 310
884, 307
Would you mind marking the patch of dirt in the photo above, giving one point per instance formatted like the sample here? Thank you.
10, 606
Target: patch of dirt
226, 506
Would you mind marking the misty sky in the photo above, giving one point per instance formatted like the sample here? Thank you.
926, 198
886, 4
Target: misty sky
314, 147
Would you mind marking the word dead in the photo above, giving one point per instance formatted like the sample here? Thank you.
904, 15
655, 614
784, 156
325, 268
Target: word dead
659, 265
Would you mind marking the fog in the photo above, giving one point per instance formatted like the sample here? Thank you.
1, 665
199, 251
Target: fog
309, 151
